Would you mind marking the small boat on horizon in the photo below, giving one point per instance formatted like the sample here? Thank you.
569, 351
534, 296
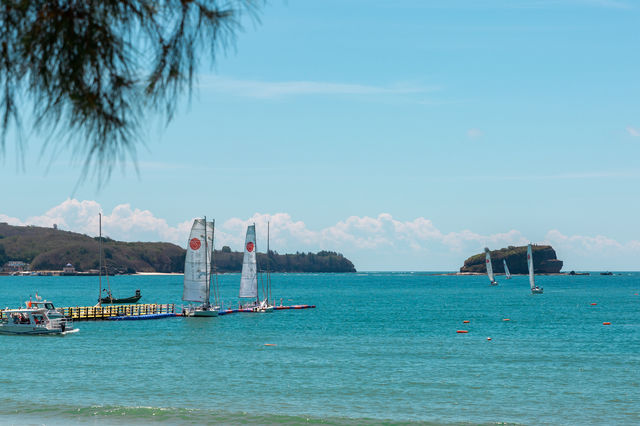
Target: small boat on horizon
492, 278
506, 270
109, 299
198, 271
532, 281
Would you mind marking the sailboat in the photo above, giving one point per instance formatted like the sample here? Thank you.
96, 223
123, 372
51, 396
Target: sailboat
249, 277
487, 255
534, 288
198, 271
109, 299
506, 269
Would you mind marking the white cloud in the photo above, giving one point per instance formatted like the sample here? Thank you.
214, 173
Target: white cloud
373, 243
272, 89
633, 131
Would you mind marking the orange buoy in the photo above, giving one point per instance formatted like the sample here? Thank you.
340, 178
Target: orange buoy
593, 304
506, 319
465, 322
462, 331
606, 323
269, 344
488, 338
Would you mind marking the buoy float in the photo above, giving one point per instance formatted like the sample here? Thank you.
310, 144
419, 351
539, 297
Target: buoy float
465, 322
593, 304
269, 344
488, 338
606, 323
506, 319
462, 331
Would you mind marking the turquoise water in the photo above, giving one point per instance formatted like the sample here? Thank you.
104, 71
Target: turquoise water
378, 347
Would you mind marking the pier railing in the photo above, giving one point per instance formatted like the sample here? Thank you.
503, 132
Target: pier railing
92, 313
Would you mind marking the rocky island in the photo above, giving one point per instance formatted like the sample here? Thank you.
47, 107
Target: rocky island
46, 249
545, 261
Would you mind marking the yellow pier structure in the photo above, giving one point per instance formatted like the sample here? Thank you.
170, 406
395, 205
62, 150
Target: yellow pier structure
98, 313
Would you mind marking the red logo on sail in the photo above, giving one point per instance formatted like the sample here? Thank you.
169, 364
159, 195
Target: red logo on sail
249, 246
194, 244
487, 260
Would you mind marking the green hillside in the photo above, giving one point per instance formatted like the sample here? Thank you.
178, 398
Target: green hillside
51, 249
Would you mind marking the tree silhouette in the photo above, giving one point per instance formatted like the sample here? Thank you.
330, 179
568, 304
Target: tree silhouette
93, 70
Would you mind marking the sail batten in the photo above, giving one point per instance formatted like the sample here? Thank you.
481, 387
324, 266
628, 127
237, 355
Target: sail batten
197, 262
489, 265
249, 277
532, 280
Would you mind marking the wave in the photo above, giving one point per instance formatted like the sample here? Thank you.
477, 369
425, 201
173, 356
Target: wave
22, 413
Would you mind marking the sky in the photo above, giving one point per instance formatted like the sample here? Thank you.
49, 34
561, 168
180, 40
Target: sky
407, 135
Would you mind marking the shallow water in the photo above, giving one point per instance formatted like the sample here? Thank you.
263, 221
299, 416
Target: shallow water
378, 347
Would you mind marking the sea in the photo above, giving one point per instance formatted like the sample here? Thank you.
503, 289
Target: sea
379, 348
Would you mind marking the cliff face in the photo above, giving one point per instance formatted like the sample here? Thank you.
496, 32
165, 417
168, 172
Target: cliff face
544, 261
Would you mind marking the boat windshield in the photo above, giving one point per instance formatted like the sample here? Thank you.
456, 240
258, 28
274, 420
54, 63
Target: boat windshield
49, 306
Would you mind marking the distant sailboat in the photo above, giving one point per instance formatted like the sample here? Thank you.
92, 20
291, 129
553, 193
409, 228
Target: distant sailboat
198, 270
249, 277
534, 288
109, 299
492, 278
506, 269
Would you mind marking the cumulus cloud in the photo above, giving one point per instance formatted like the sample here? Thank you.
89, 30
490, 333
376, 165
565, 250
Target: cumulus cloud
373, 241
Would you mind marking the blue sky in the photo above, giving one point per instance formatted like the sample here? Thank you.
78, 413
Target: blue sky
406, 135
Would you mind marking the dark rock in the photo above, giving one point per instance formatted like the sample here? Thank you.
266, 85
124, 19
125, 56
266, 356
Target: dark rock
544, 261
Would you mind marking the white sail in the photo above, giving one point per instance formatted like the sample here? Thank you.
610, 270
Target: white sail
532, 280
489, 265
197, 263
249, 278
506, 268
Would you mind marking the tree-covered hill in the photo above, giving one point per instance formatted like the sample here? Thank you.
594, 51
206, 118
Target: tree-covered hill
51, 249
544, 260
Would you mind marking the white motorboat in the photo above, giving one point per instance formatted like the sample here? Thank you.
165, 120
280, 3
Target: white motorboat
39, 317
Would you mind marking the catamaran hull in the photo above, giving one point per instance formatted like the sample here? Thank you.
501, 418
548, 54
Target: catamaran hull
202, 314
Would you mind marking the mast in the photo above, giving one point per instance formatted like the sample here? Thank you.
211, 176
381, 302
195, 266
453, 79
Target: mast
207, 271
256, 250
100, 262
268, 295
532, 280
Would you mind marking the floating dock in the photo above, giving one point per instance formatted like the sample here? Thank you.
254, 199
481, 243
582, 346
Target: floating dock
119, 312
144, 311
275, 308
